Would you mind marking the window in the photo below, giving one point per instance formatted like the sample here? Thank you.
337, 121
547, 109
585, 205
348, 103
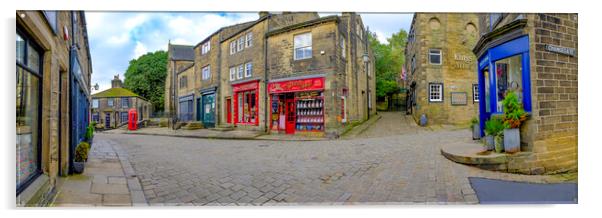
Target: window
183, 82
435, 92
413, 64
110, 102
411, 36
28, 113
359, 30
342, 45
240, 72
206, 73
95, 117
494, 19
205, 47
94, 103
232, 73
52, 21
75, 27
435, 56
248, 69
124, 117
475, 92
247, 107
233, 47
241, 44
508, 77
302, 45
249, 37
125, 102
487, 94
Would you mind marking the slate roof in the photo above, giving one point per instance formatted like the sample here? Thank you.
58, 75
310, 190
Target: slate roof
181, 52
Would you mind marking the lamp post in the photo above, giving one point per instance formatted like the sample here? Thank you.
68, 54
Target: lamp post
366, 59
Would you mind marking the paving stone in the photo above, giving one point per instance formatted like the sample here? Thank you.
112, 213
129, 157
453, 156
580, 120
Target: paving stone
116, 180
109, 189
116, 200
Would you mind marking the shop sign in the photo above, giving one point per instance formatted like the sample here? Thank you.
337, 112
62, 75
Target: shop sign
462, 61
297, 85
245, 86
561, 50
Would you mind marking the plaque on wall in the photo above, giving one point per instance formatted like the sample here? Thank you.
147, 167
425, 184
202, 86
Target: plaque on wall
458, 98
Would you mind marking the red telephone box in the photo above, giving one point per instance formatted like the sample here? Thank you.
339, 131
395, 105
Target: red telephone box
132, 119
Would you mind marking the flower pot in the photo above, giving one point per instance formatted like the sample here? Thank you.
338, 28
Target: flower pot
512, 140
78, 167
476, 132
489, 143
499, 144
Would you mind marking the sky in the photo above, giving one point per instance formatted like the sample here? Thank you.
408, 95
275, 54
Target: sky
117, 37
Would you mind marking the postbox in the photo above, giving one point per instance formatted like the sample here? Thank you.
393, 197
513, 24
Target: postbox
132, 119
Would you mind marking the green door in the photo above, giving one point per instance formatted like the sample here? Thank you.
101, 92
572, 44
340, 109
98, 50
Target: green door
208, 110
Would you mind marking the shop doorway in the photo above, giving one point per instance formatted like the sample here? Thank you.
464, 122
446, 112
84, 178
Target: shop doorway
108, 120
290, 116
229, 110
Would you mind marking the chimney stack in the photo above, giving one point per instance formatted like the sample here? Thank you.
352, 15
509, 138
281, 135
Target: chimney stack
116, 82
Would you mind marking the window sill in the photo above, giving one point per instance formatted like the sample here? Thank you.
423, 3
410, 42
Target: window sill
33, 191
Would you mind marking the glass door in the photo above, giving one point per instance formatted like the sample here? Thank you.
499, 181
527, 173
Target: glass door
209, 110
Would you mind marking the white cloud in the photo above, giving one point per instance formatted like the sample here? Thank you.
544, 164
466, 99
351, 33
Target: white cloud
135, 21
140, 50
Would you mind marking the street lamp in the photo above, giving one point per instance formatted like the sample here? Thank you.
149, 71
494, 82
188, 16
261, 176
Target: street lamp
366, 59
95, 87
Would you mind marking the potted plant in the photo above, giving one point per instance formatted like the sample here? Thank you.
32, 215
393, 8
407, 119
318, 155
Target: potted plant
81, 156
475, 128
514, 116
494, 128
90, 132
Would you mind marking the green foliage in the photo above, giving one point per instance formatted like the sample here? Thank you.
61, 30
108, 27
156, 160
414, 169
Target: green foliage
494, 126
90, 131
146, 75
389, 59
81, 152
514, 114
474, 121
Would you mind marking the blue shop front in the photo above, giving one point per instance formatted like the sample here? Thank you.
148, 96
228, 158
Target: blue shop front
502, 68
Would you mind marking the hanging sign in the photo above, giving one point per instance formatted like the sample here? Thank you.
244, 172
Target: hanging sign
297, 85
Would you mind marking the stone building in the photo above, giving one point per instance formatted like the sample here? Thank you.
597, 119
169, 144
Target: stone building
312, 67
179, 57
53, 71
534, 55
440, 67
110, 107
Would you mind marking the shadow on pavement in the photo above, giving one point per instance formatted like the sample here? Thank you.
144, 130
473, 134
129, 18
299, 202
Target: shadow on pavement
491, 191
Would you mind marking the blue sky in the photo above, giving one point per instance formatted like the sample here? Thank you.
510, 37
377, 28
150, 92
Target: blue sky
118, 37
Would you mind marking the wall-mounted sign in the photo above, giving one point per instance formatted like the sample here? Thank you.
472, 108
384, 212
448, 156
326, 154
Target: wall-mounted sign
463, 61
458, 98
297, 85
561, 50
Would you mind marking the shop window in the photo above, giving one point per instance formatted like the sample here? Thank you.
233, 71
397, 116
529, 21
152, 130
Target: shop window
94, 103
435, 92
508, 77
232, 73
487, 94
28, 112
247, 107
240, 72
125, 102
248, 69
302, 46
206, 47
233, 47
249, 39
475, 92
206, 73
241, 44
435, 56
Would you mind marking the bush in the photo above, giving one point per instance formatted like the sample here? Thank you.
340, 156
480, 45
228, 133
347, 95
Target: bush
514, 114
494, 126
81, 152
90, 132
474, 121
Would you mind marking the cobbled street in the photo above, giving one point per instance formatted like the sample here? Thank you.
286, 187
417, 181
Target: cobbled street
384, 165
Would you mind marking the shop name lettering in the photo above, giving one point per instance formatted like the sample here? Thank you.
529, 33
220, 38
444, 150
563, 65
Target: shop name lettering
561, 50
462, 61
297, 85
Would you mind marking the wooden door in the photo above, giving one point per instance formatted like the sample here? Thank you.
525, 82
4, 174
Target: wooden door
229, 110
290, 116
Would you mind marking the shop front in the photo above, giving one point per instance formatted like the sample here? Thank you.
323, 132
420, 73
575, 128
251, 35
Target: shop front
297, 105
246, 106
185, 108
504, 68
206, 107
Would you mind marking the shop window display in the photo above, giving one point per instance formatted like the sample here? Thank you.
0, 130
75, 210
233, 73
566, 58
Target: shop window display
508, 75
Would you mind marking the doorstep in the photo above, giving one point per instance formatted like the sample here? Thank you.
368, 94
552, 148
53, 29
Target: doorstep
472, 153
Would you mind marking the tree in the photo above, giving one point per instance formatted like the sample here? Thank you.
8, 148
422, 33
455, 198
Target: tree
146, 77
389, 60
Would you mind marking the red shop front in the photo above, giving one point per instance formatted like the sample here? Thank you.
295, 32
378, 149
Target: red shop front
297, 105
246, 103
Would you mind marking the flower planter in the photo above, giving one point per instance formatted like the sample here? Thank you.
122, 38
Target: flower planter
499, 144
512, 140
78, 167
489, 143
476, 132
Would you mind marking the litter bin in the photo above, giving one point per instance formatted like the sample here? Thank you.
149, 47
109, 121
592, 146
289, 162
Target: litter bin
132, 119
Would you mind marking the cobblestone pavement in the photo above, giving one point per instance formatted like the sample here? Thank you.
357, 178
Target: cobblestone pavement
392, 169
